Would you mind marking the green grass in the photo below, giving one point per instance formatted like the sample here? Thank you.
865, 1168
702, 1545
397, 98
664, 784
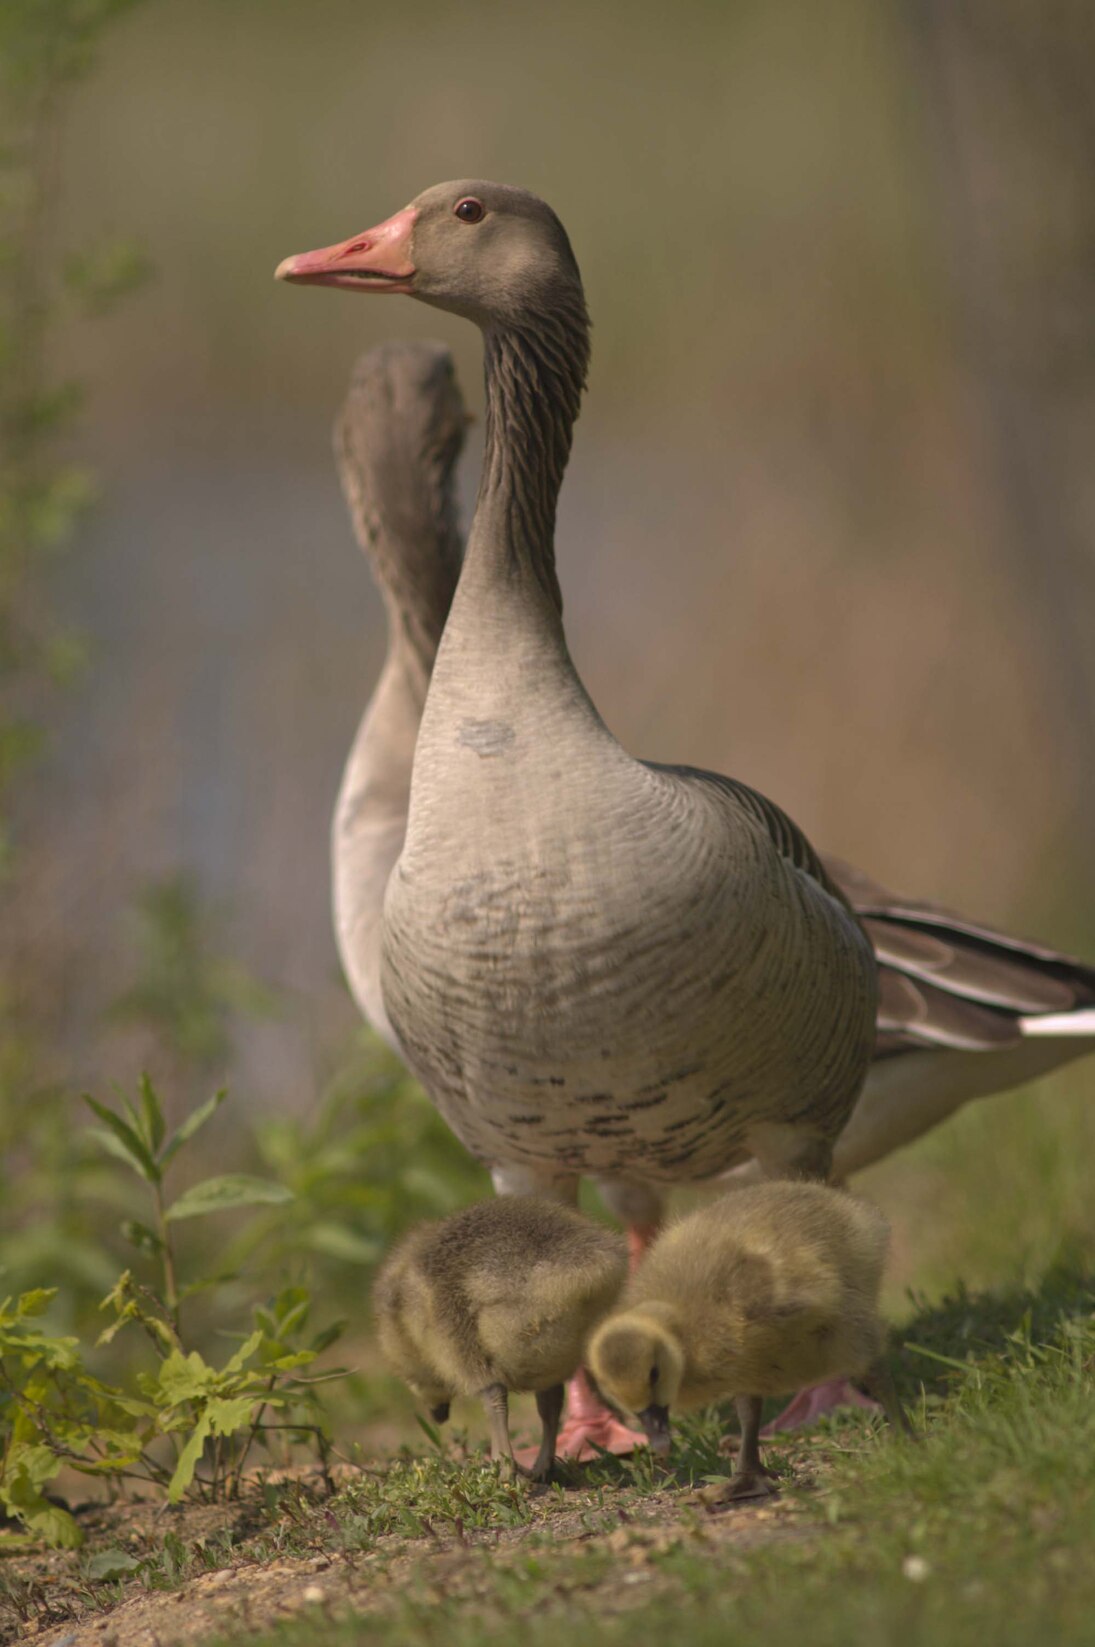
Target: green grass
983, 1532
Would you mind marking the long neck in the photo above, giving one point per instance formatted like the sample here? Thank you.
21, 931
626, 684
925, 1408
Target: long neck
534, 380
412, 539
401, 498
411, 536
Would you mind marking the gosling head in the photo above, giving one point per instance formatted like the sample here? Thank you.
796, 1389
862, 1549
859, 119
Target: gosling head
433, 1397
638, 1364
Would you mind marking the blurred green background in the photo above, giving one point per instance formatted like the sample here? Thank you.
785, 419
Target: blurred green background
828, 524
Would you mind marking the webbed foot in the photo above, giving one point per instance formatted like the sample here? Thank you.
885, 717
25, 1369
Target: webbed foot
744, 1487
589, 1429
810, 1405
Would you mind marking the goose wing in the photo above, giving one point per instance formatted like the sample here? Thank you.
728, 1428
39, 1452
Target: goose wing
947, 981
785, 835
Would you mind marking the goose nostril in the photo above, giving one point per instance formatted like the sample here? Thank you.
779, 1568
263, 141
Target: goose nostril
358, 246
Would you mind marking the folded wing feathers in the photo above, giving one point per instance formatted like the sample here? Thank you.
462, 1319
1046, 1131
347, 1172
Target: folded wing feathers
948, 981
929, 1015
784, 834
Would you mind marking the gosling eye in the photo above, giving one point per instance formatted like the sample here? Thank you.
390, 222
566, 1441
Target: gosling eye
653, 1376
470, 210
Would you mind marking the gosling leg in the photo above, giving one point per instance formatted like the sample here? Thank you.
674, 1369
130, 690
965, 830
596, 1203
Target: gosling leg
495, 1399
750, 1478
549, 1404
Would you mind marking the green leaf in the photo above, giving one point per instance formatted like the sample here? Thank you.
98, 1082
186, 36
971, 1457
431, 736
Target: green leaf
135, 1148
189, 1459
36, 1301
337, 1241
330, 1335
28, 1468
141, 1237
152, 1114
196, 1119
51, 1523
244, 1353
108, 1564
235, 1189
107, 1141
184, 1377
26, 1471
293, 1317
16, 1543
227, 1414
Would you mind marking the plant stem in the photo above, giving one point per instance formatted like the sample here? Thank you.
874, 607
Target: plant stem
233, 1488
167, 1259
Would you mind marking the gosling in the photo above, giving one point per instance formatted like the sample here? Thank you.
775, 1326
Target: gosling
761, 1292
501, 1296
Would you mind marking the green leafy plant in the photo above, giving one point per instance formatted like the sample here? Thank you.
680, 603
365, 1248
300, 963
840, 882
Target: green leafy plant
137, 1135
184, 1425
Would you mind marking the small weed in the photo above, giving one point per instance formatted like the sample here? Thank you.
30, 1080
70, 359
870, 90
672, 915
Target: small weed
415, 1497
184, 1426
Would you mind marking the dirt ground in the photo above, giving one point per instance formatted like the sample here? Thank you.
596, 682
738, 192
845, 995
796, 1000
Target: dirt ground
50, 1597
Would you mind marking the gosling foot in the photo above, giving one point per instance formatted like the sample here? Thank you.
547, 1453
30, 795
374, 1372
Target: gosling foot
744, 1487
810, 1405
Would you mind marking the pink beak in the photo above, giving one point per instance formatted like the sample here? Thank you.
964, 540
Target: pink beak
376, 261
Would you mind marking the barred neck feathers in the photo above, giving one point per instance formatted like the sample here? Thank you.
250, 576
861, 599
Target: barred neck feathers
535, 373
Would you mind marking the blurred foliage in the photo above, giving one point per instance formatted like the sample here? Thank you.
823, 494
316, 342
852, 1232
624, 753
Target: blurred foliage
45, 46
61, 1204
184, 994
371, 1158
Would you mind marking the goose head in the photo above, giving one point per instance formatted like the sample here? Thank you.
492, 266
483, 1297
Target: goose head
492, 253
638, 1364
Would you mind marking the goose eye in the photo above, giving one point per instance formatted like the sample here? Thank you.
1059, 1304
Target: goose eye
469, 210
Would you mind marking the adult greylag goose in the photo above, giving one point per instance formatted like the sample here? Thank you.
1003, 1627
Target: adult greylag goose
594, 964
965, 1010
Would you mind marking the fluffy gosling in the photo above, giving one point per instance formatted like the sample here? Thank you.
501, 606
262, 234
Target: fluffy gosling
761, 1292
501, 1296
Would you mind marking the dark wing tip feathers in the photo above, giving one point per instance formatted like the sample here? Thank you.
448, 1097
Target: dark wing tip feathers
948, 981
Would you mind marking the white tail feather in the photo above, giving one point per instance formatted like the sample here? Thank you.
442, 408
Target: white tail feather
1080, 1022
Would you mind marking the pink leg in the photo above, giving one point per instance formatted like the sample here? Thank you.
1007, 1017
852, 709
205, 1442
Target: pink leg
589, 1428
639, 1237
810, 1405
